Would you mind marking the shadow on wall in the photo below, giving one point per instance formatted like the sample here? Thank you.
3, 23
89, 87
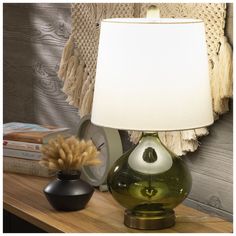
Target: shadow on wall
18, 104
34, 37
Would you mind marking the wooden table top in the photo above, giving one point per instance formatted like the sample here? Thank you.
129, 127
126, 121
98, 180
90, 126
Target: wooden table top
23, 196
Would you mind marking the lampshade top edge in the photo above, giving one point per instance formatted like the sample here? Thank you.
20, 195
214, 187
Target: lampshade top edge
152, 20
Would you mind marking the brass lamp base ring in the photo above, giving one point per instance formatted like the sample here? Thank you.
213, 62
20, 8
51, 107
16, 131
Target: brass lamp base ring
150, 220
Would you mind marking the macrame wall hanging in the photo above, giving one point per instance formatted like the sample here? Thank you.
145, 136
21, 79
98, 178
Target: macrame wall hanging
78, 62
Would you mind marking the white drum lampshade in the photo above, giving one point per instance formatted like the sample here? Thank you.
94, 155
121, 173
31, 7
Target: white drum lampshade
152, 75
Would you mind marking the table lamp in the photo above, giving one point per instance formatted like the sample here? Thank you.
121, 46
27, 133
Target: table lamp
152, 75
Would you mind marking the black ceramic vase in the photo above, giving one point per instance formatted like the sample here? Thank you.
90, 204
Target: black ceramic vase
68, 192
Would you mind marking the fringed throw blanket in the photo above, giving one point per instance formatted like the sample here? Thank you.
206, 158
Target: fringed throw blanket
78, 62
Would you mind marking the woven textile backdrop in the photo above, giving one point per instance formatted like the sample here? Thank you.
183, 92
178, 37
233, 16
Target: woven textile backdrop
78, 63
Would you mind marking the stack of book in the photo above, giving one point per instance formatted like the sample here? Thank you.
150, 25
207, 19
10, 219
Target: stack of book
21, 147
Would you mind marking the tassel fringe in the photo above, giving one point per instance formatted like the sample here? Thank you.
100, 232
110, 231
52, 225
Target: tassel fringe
134, 136
84, 89
174, 144
77, 85
222, 77
201, 132
86, 106
162, 137
76, 88
68, 51
226, 69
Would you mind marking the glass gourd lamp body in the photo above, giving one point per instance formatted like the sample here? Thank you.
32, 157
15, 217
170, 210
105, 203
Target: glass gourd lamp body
149, 180
151, 75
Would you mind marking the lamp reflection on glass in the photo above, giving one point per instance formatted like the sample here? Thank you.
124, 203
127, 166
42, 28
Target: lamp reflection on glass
152, 75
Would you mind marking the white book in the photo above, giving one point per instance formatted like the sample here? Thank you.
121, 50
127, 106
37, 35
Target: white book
33, 147
22, 154
24, 166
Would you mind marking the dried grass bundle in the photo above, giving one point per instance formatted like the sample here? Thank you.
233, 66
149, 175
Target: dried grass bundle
68, 154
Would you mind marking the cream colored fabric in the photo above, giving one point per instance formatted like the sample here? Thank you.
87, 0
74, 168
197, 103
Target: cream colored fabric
214, 16
78, 67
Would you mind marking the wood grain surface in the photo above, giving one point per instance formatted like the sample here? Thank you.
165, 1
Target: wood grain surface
34, 36
23, 196
212, 170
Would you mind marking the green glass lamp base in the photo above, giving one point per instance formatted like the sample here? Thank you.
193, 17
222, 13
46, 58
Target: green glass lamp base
149, 181
149, 220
